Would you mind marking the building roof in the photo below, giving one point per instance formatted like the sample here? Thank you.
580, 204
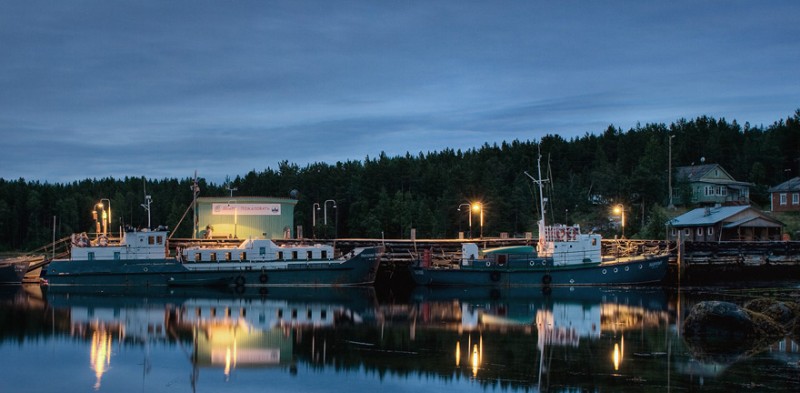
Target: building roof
707, 216
697, 173
714, 215
787, 186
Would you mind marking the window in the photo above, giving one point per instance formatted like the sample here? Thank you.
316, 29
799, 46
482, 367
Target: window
116, 255
243, 256
710, 231
699, 231
796, 198
159, 240
309, 255
294, 255
674, 232
324, 254
151, 240
228, 256
213, 257
783, 199
280, 255
198, 257
262, 251
90, 256
686, 232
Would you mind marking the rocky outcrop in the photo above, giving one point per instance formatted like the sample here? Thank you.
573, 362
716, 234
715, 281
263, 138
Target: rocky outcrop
724, 332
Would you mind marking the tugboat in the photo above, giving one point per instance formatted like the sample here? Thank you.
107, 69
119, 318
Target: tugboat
563, 256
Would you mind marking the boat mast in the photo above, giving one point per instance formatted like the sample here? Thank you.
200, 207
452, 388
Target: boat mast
539, 181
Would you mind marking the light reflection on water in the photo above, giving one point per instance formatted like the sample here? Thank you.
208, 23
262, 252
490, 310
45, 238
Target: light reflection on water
567, 339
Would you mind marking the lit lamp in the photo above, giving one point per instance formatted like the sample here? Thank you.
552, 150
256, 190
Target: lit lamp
476, 207
106, 216
619, 209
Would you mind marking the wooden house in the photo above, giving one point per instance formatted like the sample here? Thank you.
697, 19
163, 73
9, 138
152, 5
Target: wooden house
785, 197
709, 185
725, 223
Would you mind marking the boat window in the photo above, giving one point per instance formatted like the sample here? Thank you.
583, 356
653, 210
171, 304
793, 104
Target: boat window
324, 254
309, 255
90, 256
280, 313
213, 257
594, 241
116, 255
228, 256
262, 251
294, 255
151, 240
294, 313
323, 314
308, 314
243, 256
280, 255
198, 257
159, 240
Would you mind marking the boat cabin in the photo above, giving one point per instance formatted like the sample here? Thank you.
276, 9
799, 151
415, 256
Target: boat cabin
259, 250
133, 245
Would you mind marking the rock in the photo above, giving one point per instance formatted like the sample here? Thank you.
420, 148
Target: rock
784, 313
725, 332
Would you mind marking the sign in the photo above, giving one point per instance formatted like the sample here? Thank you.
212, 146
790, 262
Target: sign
246, 209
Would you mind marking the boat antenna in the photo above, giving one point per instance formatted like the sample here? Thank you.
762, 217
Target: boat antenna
147, 200
195, 192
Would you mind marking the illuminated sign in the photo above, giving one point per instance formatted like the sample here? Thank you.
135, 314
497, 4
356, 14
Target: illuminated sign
246, 209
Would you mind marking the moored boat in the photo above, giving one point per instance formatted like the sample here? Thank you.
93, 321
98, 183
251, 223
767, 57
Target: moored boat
562, 256
12, 271
142, 258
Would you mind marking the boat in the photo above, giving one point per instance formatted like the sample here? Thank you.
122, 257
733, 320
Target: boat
12, 271
143, 258
563, 256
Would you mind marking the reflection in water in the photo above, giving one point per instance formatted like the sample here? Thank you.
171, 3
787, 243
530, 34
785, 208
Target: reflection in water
570, 339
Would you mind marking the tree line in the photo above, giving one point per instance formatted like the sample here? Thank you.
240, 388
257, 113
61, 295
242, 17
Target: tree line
388, 196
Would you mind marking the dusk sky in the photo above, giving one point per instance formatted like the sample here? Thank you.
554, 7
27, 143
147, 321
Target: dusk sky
93, 89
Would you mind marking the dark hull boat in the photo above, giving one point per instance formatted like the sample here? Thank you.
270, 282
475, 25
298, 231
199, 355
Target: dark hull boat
142, 259
12, 271
563, 256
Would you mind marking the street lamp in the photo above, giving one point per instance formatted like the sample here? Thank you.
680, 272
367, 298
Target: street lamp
325, 211
669, 170
470, 217
106, 217
619, 209
235, 218
477, 207
314, 209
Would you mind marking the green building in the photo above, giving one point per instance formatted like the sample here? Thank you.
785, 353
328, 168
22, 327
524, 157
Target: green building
244, 217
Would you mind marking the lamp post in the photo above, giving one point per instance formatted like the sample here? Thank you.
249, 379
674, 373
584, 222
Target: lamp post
669, 171
619, 209
106, 217
470, 218
235, 218
477, 207
314, 210
325, 211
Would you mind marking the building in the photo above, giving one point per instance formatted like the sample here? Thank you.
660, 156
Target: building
785, 197
725, 223
709, 184
244, 217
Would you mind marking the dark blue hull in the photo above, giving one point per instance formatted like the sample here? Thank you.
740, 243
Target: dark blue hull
359, 270
632, 272
12, 273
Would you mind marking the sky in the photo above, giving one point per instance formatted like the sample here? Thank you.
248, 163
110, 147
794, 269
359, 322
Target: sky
95, 89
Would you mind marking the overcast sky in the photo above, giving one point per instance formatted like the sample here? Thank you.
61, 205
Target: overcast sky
91, 89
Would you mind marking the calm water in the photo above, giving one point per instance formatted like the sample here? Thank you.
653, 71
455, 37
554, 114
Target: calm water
581, 339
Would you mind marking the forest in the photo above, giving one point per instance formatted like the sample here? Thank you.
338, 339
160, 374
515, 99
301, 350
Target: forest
386, 196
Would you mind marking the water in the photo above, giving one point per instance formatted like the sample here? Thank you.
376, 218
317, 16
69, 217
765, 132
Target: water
321, 340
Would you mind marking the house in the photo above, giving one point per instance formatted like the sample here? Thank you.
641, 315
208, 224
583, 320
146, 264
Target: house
709, 184
785, 197
721, 223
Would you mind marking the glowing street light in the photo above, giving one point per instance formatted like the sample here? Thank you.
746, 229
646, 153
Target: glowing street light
106, 216
477, 207
619, 209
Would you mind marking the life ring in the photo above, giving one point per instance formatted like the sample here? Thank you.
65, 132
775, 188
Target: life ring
102, 241
239, 281
560, 234
546, 279
263, 278
571, 234
495, 276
